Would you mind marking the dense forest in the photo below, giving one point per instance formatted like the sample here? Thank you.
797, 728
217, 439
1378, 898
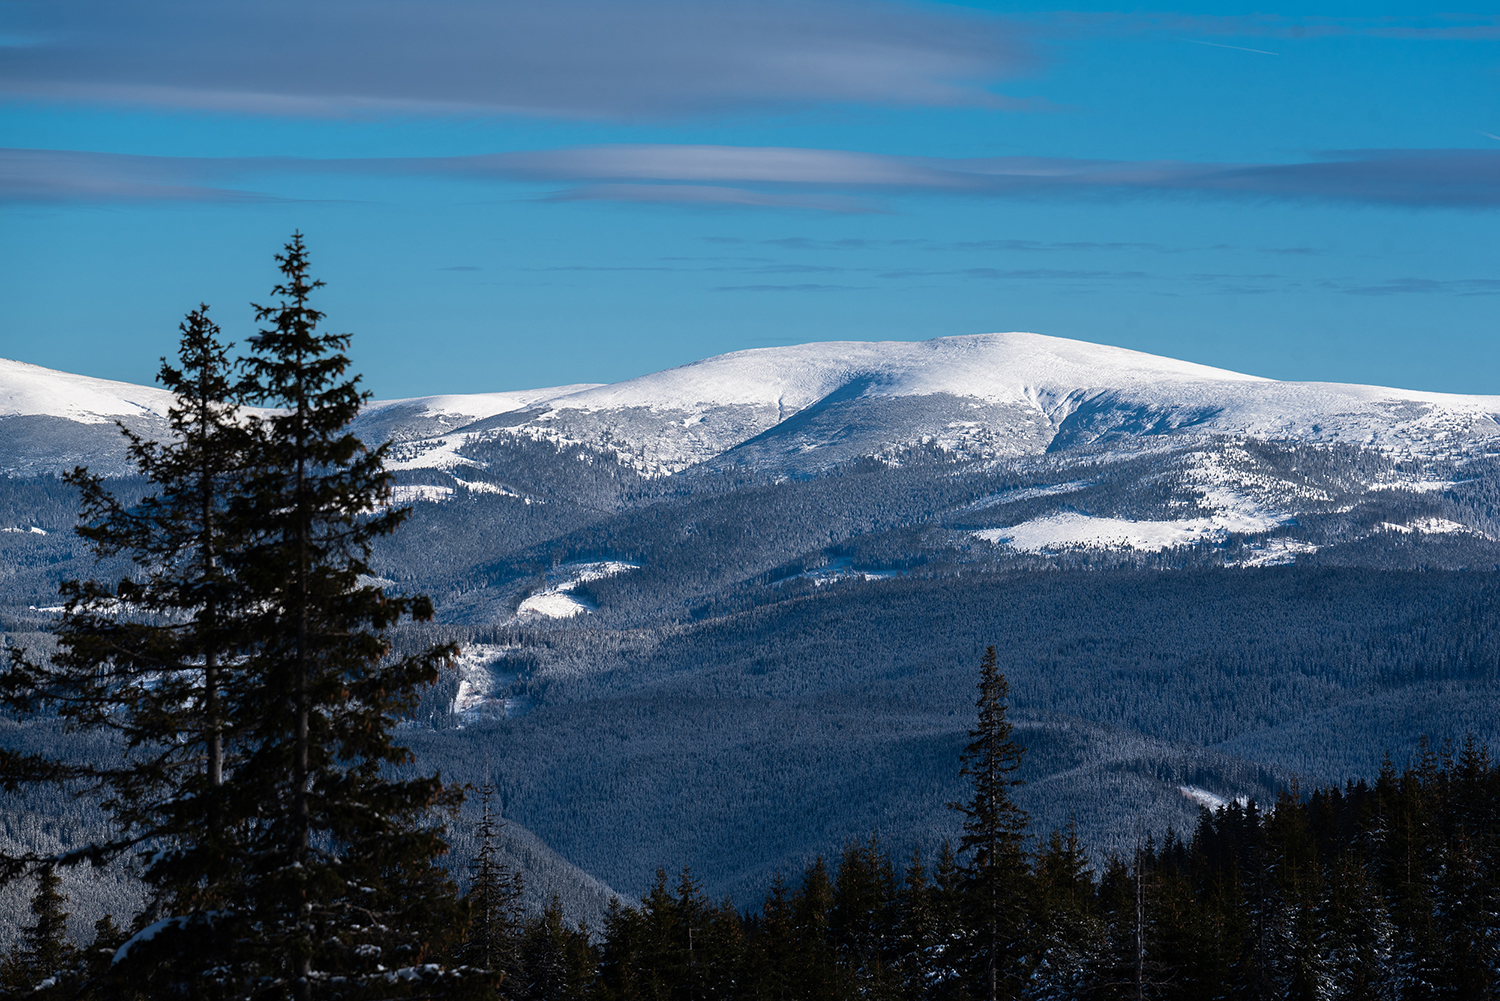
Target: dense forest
1383, 890
1377, 890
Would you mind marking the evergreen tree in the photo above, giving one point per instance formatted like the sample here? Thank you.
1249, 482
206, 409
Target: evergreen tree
773, 944
863, 917
44, 963
560, 962
1065, 934
247, 673
1359, 933
917, 940
340, 881
151, 660
996, 877
815, 964
495, 916
101, 952
154, 661
949, 929
1299, 897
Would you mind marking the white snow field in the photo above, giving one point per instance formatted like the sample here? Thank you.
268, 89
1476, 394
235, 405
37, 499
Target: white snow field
30, 390
664, 422
1072, 530
556, 600
482, 686
983, 395
1212, 801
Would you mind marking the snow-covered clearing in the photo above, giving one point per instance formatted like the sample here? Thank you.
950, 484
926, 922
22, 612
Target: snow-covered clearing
1428, 526
552, 604
1205, 798
556, 600
1028, 493
1273, 552
433, 453
840, 569
413, 493
1072, 530
482, 684
481, 487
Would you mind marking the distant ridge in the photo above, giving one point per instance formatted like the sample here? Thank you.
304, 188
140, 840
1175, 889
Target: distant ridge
811, 405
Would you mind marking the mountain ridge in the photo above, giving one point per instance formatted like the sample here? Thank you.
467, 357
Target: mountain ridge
977, 396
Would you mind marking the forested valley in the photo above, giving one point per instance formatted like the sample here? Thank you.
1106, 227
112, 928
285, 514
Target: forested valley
1377, 890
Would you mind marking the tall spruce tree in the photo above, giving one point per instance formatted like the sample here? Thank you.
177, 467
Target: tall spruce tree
496, 918
996, 877
247, 675
340, 879
44, 963
151, 660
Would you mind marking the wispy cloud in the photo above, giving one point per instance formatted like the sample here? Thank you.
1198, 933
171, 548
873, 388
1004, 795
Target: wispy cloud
1455, 177
1049, 247
1429, 286
1427, 27
790, 288
44, 175
808, 243
710, 195
794, 178
1022, 274
612, 59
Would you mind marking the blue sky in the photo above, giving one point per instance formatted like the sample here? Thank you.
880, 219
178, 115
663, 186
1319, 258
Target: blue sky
504, 195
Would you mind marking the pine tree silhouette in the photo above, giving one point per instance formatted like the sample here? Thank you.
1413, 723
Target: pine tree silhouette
44, 962
246, 670
995, 883
495, 912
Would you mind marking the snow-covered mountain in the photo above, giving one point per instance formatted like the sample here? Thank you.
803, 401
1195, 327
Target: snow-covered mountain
30, 390
1061, 416
815, 405
980, 396
52, 421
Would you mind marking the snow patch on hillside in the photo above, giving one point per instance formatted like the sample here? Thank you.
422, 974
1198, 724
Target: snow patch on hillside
556, 600
554, 604
1071, 530
1272, 552
408, 493
1428, 526
1212, 801
838, 570
481, 687
433, 453
470, 407
481, 487
1028, 493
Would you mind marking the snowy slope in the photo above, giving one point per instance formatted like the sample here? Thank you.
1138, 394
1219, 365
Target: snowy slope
427, 432
979, 396
991, 367
815, 405
30, 390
